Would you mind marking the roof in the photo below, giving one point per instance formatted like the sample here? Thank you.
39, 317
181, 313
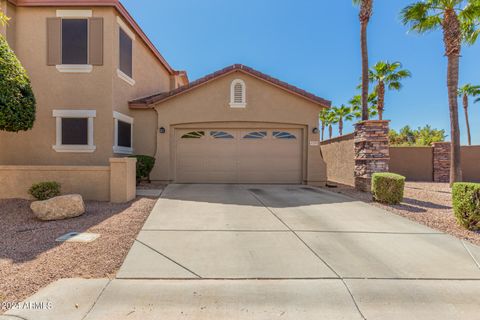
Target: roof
99, 3
147, 102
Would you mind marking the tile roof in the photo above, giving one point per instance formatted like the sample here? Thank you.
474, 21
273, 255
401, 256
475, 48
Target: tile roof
147, 102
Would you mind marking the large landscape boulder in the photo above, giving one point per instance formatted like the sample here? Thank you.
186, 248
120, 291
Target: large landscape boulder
59, 208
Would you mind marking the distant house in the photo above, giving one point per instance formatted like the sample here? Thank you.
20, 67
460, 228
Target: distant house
103, 90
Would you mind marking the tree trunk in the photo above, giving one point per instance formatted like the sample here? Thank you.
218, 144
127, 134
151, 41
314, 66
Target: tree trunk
323, 130
330, 131
365, 83
452, 74
465, 108
340, 126
452, 37
381, 99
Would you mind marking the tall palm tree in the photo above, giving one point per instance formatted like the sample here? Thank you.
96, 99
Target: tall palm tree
342, 113
465, 92
458, 20
330, 121
323, 120
389, 75
366, 10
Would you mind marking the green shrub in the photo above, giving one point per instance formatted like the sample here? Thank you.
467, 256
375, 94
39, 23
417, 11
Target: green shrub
466, 204
388, 187
17, 102
45, 190
144, 166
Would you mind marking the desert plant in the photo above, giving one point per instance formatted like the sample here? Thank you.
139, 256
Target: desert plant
323, 121
420, 137
145, 165
356, 105
17, 102
388, 187
342, 113
458, 20
386, 75
45, 190
466, 204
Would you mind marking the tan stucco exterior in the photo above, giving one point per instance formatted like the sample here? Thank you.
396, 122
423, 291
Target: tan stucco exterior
268, 106
339, 156
101, 90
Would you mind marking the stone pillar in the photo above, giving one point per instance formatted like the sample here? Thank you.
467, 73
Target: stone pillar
372, 152
441, 161
123, 184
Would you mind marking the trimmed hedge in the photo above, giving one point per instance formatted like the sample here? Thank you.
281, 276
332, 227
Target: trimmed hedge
17, 102
466, 204
45, 190
388, 187
144, 166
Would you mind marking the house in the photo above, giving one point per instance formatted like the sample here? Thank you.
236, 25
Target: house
103, 90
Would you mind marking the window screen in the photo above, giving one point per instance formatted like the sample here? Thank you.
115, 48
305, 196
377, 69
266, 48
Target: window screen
75, 131
124, 134
74, 41
125, 53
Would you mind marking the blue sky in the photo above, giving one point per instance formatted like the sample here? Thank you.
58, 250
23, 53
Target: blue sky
313, 44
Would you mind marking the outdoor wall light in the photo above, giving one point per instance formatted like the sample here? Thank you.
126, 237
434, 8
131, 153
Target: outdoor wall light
162, 130
315, 130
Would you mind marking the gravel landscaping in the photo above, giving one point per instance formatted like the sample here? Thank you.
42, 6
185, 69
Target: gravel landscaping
426, 203
30, 258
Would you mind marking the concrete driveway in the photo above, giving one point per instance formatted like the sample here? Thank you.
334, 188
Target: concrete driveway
286, 252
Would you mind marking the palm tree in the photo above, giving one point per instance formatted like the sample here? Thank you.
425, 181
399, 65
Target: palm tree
356, 105
458, 20
366, 10
331, 119
323, 120
342, 113
386, 74
465, 92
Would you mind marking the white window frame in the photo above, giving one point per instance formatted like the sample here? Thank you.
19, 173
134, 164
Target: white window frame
124, 118
59, 115
122, 25
233, 104
75, 68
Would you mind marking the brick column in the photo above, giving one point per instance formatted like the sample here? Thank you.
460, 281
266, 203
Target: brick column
441, 161
372, 152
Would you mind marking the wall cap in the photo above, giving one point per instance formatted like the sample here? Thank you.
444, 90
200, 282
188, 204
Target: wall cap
347, 136
373, 121
122, 160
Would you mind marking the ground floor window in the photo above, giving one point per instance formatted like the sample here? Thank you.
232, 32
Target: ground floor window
74, 130
123, 133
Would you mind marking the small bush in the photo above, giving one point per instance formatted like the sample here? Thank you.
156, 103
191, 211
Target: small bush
45, 190
144, 166
466, 204
388, 187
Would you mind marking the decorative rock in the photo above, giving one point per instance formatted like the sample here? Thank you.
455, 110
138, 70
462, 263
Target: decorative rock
59, 208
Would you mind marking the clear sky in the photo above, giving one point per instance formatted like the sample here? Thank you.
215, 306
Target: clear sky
313, 44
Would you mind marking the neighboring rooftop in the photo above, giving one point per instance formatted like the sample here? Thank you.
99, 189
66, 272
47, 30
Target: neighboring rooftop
147, 102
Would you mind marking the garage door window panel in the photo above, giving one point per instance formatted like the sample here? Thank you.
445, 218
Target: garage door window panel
221, 135
194, 135
283, 135
256, 135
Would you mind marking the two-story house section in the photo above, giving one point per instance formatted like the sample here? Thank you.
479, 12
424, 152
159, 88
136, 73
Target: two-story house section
86, 60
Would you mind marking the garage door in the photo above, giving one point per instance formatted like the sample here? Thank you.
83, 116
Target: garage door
238, 155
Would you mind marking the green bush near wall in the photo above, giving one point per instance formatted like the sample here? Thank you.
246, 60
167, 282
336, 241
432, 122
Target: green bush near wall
145, 165
466, 204
45, 190
388, 187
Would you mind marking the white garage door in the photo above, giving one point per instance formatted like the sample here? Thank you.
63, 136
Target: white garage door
238, 155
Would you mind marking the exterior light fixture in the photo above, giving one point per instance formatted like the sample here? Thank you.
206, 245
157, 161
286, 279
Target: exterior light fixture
162, 130
315, 130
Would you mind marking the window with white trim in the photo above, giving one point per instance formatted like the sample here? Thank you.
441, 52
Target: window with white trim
238, 95
123, 133
74, 130
125, 48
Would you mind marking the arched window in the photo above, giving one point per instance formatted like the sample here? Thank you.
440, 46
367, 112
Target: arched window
238, 97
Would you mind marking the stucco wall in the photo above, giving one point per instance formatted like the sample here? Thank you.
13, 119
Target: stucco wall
101, 90
339, 156
209, 105
415, 163
93, 183
471, 163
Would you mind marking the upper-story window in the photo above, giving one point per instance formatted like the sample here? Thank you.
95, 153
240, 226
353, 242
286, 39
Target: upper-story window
238, 96
125, 59
75, 41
